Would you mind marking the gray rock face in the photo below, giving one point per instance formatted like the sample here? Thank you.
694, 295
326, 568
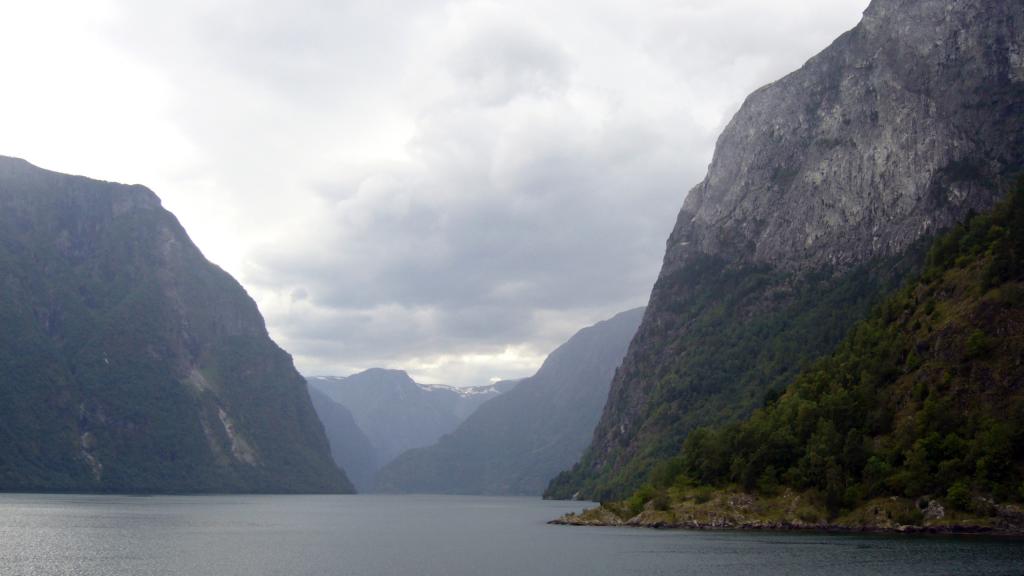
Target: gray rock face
893, 132
897, 130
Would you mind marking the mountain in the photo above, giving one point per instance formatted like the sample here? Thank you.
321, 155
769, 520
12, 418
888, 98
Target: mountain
398, 414
350, 448
822, 192
515, 443
130, 363
917, 418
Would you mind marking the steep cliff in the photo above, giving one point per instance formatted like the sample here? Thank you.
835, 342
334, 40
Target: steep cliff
516, 442
820, 190
130, 363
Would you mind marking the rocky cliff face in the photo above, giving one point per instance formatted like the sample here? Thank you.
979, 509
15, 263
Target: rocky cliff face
516, 442
130, 363
819, 190
894, 132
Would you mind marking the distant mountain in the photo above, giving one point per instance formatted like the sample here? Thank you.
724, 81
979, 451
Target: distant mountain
515, 443
130, 363
350, 448
398, 414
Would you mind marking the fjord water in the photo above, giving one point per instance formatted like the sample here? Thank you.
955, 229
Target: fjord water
427, 536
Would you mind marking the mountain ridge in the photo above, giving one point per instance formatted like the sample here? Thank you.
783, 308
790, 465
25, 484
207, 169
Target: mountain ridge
397, 413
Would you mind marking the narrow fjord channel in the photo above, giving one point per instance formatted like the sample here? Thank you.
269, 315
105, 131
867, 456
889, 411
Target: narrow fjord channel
428, 536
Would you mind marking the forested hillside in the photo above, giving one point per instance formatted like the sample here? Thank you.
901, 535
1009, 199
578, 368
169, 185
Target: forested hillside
923, 400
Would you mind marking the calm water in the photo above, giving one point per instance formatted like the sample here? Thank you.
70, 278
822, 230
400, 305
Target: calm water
428, 535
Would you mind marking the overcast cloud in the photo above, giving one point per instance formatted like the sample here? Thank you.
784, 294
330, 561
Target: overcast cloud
449, 187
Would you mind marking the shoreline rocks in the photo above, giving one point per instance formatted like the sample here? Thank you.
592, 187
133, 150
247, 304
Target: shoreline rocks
791, 511
577, 520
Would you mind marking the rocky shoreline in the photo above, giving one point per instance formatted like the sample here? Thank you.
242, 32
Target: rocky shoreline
799, 527
791, 512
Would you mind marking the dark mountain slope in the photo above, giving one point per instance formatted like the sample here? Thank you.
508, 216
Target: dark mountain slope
819, 190
515, 443
916, 418
130, 363
927, 393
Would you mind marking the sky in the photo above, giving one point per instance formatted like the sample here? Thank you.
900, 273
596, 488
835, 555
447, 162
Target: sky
449, 187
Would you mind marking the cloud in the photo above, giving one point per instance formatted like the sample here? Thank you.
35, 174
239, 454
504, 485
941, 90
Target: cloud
500, 62
448, 186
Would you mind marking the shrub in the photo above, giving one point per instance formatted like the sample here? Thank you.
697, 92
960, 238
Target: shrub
978, 344
636, 502
959, 496
702, 494
768, 482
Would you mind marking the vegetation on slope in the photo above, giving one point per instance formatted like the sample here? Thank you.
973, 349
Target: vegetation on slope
733, 333
923, 400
